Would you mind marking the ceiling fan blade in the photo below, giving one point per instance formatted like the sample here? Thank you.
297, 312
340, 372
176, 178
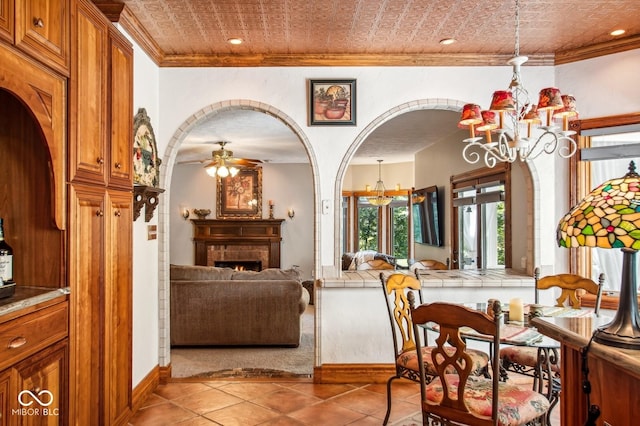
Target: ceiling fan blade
242, 161
191, 162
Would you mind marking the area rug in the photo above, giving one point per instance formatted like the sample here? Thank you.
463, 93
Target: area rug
248, 362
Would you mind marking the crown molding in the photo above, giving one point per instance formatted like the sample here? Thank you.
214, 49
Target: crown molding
120, 14
597, 50
346, 60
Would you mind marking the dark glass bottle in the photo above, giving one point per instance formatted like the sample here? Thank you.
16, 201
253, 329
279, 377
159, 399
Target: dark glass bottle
6, 258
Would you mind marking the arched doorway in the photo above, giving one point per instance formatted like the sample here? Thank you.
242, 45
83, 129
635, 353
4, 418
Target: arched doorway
166, 175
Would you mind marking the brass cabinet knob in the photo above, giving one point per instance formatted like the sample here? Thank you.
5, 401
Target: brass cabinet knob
38, 23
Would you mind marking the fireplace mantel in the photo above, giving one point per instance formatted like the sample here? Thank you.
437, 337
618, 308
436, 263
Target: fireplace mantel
248, 233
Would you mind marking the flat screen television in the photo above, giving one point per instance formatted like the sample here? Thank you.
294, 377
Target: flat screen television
427, 228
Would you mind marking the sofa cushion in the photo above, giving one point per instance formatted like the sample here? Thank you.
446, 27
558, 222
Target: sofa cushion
199, 273
269, 274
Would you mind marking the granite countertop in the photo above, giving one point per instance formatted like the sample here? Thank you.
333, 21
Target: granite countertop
30, 296
576, 332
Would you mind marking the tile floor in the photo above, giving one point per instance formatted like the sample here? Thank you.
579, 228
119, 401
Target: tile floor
280, 403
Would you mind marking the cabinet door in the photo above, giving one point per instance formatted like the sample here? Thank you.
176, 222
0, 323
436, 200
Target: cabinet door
121, 110
86, 272
6, 23
41, 383
118, 307
88, 112
42, 30
5, 378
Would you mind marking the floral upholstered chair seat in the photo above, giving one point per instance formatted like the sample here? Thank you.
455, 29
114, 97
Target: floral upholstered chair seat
524, 356
409, 360
517, 405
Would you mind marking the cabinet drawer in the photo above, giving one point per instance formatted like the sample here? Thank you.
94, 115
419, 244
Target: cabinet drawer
28, 334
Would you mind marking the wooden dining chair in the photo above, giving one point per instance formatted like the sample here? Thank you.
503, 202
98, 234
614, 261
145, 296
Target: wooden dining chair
429, 264
396, 287
544, 366
462, 398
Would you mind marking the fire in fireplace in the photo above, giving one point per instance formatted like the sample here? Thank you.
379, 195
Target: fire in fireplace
240, 265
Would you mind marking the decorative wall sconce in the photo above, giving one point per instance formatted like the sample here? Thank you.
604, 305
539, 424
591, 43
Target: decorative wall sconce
291, 213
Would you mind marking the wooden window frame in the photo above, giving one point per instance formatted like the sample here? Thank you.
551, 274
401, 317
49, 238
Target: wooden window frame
579, 186
500, 172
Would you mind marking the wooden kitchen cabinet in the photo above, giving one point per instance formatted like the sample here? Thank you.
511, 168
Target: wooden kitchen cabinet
121, 110
6, 24
102, 275
42, 31
46, 371
88, 97
5, 378
34, 363
102, 71
118, 302
66, 93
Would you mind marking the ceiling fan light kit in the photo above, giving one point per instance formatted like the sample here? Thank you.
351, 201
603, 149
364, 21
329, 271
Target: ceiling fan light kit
225, 164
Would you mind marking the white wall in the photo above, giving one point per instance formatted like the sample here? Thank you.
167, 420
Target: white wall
172, 95
145, 252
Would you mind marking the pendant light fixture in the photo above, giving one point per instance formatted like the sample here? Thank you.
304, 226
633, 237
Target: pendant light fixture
514, 105
379, 199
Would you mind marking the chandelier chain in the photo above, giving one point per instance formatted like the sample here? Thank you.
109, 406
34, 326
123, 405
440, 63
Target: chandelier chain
516, 49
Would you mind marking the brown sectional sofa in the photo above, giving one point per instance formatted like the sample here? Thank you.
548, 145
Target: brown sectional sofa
221, 307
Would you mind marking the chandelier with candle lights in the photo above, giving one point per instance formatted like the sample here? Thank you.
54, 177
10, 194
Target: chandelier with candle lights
504, 138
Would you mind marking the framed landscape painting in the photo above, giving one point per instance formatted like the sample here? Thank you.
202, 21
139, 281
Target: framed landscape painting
240, 195
332, 102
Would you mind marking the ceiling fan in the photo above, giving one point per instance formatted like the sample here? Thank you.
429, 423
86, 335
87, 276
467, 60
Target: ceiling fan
223, 163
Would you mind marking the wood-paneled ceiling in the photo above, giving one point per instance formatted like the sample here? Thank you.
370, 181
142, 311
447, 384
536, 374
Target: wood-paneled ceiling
373, 32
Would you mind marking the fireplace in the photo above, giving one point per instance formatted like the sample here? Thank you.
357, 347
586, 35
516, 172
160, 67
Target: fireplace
237, 240
239, 265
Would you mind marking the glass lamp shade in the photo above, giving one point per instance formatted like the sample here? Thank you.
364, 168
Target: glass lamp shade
550, 99
211, 170
609, 217
470, 115
502, 101
379, 199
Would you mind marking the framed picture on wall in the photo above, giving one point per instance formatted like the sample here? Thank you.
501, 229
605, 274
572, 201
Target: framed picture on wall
332, 102
240, 195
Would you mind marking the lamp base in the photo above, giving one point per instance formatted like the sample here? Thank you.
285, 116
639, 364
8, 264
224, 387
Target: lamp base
613, 338
624, 330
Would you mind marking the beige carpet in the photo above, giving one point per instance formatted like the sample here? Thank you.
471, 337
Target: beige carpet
248, 362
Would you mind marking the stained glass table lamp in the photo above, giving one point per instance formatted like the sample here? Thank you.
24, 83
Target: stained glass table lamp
609, 217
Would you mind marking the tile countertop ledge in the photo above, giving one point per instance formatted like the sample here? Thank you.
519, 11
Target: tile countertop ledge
576, 332
434, 278
30, 298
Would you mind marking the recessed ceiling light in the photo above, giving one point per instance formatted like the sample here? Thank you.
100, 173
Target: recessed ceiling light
617, 32
446, 41
234, 40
